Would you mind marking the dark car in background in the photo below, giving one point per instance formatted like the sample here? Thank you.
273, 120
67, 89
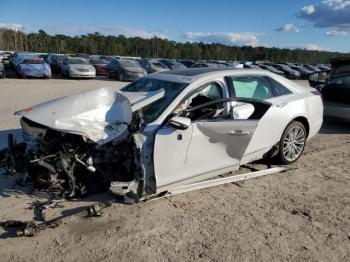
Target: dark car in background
55, 61
107, 58
152, 65
125, 70
312, 68
188, 63
172, 64
100, 66
33, 68
323, 68
304, 73
82, 55
335, 89
289, 72
272, 69
206, 64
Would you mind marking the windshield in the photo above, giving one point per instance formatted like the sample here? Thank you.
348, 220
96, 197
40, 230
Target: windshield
255, 67
99, 62
175, 65
154, 110
60, 58
285, 67
79, 61
271, 68
24, 56
157, 64
340, 80
129, 63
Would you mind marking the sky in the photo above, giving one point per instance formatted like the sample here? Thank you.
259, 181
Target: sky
309, 24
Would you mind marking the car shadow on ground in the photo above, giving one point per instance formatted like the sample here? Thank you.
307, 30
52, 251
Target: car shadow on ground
335, 127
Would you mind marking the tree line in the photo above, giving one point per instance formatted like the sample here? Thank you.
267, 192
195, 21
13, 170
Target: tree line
155, 47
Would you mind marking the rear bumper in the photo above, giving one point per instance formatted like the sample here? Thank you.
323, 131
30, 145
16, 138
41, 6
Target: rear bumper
34, 74
101, 70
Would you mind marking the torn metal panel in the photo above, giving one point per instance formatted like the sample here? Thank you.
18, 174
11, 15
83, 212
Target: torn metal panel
100, 115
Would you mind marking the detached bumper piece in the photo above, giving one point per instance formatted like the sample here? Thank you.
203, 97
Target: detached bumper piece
31, 228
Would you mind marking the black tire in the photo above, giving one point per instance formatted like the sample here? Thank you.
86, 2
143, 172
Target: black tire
108, 74
289, 152
3, 74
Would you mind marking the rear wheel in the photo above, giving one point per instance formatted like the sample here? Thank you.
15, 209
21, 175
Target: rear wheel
3, 75
292, 143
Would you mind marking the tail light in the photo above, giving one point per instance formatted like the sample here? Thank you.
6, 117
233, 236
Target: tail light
317, 93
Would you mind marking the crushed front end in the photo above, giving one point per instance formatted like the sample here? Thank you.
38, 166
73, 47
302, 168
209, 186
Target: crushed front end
89, 147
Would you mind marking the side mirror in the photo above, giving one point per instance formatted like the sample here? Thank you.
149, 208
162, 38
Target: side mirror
179, 122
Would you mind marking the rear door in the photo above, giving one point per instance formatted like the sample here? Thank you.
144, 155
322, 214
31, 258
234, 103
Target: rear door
264, 88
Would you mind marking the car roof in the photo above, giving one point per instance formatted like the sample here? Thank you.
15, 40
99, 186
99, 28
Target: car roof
194, 71
192, 74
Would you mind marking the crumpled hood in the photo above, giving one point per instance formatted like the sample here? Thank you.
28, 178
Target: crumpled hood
101, 115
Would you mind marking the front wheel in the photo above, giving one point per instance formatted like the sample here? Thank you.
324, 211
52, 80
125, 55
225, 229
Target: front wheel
292, 143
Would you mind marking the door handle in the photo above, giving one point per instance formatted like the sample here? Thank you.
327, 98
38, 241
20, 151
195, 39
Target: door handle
238, 132
280, 105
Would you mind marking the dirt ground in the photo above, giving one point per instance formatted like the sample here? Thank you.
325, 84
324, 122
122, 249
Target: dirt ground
300, 215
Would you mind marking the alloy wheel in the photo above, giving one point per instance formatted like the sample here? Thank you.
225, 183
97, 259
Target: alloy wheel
294, 143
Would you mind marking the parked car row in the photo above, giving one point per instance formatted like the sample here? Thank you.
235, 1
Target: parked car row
79, 65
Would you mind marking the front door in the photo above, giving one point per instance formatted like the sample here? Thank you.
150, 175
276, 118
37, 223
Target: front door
212, 142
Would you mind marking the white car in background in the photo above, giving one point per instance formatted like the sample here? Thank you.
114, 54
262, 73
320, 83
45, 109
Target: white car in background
76, 67
169, 129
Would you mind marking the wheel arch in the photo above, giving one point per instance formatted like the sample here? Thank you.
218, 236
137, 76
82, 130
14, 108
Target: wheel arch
304, 121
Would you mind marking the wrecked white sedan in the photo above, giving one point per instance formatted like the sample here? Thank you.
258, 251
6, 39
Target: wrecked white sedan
165, 130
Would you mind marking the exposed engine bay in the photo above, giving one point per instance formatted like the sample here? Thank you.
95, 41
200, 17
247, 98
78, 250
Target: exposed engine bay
63, 161
79, 163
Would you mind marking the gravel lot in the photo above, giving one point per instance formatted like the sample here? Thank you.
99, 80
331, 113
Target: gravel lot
300, 215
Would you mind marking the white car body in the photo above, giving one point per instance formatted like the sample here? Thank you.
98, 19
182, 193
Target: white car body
170, 156
197, 159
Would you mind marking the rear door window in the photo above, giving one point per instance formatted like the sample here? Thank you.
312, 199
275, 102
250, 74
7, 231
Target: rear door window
251, 87
257, 87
